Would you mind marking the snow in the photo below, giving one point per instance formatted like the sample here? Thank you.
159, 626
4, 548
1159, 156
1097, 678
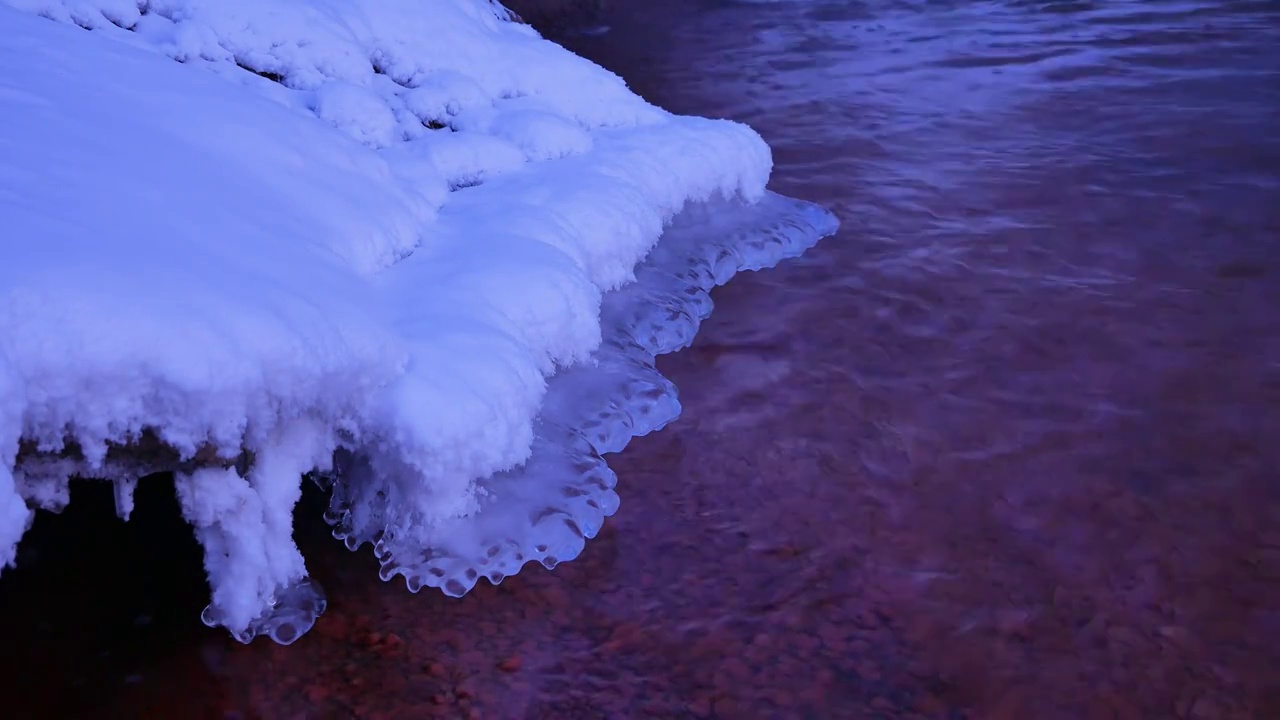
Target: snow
353, 237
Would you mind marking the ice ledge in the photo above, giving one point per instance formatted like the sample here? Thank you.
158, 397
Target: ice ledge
241, 507
299, 300
546, 509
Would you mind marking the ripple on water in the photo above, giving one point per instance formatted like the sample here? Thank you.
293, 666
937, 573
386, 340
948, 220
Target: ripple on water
1045, 337
1004, 447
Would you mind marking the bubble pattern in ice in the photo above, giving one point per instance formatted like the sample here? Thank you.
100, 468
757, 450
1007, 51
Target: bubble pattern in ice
294, 610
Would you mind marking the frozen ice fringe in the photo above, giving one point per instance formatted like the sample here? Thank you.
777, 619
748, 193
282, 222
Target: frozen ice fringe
405, 246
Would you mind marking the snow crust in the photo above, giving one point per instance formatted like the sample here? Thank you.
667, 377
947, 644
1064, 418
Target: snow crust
362, 230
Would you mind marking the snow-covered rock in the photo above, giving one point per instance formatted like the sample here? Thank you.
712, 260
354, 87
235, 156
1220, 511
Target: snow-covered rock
253, 236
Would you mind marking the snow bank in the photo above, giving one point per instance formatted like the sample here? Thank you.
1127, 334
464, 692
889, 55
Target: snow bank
354, 238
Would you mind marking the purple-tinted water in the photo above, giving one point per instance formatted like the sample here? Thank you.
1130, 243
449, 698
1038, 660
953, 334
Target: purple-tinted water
1003, 448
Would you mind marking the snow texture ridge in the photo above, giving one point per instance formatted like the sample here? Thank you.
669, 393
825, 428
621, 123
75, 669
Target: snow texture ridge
351, 238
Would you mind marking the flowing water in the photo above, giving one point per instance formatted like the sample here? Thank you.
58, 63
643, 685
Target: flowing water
1002, 448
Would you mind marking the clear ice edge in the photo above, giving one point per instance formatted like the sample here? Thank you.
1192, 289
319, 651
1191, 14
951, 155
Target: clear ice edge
546, 509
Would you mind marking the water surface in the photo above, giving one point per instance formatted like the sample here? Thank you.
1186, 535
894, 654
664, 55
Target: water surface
1003, 448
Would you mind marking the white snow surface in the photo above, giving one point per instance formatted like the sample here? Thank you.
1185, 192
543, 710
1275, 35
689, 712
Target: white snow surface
386, 237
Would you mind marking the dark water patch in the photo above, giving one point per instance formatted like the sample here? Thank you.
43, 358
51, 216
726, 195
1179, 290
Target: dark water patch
996, 61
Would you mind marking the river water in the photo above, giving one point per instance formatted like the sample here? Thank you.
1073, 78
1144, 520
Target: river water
1002, 448
1025, 403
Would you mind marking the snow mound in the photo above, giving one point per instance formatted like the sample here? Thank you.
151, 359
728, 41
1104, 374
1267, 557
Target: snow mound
352, 238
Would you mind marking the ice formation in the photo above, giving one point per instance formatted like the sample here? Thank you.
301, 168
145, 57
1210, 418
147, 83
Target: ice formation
409, 248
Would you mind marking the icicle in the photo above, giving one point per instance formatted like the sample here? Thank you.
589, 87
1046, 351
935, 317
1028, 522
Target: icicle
124, 497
